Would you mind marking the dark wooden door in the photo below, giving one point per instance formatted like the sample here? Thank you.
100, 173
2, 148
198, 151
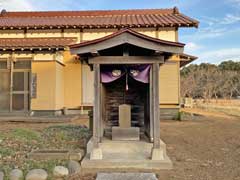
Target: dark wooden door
116, 95
21, 86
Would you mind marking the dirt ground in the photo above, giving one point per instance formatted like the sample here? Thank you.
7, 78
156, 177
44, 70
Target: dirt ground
207, 148
204, 149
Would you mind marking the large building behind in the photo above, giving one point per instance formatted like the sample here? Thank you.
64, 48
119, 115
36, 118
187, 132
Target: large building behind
38, 74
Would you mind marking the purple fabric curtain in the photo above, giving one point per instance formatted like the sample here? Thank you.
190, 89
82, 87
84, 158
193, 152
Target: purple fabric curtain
138, 72
111, 73
107, 77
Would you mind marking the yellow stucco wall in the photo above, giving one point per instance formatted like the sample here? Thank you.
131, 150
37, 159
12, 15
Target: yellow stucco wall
59, 88
90, 34
46, 86
168, 34
73, 33
50, 85
43, 33
72, 81
11, 34
169, 83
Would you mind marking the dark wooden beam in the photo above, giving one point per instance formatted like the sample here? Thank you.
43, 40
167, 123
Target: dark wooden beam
94, 53
126, 50
126, 60
158, 53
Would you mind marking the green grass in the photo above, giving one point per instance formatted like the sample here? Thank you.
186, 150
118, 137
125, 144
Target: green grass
5, 151
25, 134
67, 132
23, 141
2, 136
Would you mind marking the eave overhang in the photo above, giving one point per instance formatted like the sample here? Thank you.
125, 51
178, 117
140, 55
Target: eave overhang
42, 44
186, 59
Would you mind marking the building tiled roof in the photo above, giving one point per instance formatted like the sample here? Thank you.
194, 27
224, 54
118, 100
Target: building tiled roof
135, 33
97, 19
31, 43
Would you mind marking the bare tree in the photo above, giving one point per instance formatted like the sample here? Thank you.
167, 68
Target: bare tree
210, 81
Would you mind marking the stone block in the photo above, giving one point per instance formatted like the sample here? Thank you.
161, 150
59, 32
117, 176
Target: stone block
75, 156
16, 174
74, 167
125, 134
60, 172
37, 174
125, 116
126, 176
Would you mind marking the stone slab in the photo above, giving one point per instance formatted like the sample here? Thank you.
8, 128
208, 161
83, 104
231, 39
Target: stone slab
46, 154
124, 116
125, 134
126, 176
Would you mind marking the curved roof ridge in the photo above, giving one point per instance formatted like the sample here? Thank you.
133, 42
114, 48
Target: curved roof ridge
129, 31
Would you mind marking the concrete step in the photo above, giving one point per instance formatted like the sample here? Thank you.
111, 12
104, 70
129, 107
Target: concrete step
126, 176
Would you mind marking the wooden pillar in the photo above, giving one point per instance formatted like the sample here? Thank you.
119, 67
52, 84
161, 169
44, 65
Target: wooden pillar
97, 106
151, 103
12, 58
155, 105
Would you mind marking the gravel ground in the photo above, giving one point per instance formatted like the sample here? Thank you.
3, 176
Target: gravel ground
204, 149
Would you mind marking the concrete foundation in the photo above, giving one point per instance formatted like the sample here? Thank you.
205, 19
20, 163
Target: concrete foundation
130, 156
168, 113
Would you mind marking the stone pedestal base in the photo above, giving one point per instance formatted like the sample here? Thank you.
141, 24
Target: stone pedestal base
96, 154
125, 134
125, 156
157, 154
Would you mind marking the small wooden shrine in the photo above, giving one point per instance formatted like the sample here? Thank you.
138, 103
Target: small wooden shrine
126, 119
